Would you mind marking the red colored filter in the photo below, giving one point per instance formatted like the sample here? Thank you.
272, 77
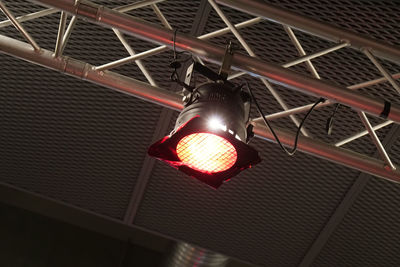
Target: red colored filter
206, 152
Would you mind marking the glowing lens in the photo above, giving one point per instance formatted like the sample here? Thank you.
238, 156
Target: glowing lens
206, 152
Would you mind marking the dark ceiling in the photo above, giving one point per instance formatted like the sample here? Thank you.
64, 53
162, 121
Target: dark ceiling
84, 145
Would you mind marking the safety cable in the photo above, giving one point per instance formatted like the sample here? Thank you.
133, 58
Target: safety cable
294, 149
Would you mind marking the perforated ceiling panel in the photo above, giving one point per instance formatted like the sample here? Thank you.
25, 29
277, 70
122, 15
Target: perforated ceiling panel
268, 215
368, 235
271, 214
86, 145
71, 140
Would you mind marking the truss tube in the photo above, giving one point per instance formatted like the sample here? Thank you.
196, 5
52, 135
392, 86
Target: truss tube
86, 71
18, 26
138, 4
163, 48
362, 133
60, 35
307, 57
67, 33
384, 72
314, 27
301, 51
156, 34
251, 53
305, 108
172, 100
326, 151
30, 16
376, 140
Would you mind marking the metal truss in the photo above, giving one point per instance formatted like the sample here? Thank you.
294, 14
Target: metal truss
268, 73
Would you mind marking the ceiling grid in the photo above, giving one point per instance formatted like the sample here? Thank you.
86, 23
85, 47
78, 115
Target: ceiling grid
351, 197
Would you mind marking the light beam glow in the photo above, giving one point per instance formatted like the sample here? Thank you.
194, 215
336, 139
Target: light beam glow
206, 152
216, 123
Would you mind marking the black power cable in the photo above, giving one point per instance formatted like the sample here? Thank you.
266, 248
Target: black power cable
329, 122
176, 64
294, 149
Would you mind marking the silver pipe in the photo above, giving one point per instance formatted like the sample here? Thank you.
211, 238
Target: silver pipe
373, 82
30, 16
283, 104
326, 103
166, 24
362, 115
187, 255
323, 150
225, 30
384, 72
132, 53
131, 58
19, 27
68, 32
376, 140
161, 16
314, 27
301, 51
232, 28
87, 72
172, 100
362, 133
314, 55
299, 59
163, 48
60, 34
159, 35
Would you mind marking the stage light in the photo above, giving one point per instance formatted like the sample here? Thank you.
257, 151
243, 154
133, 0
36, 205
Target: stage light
210, 135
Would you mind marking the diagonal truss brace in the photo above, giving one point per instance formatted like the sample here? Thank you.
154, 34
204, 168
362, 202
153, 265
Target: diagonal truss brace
172, 100
362, 115
251, 53
314, 27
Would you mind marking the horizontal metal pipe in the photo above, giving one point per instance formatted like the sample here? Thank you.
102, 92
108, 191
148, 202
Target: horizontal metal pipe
314, 27
156, 34
86, 71
157, 50
301, 59
326, 103
172, 100
326, 151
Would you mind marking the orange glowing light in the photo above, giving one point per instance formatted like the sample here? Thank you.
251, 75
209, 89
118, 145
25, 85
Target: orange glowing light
206, 152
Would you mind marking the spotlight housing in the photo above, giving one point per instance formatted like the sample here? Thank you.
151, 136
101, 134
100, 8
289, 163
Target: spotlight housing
209, 140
